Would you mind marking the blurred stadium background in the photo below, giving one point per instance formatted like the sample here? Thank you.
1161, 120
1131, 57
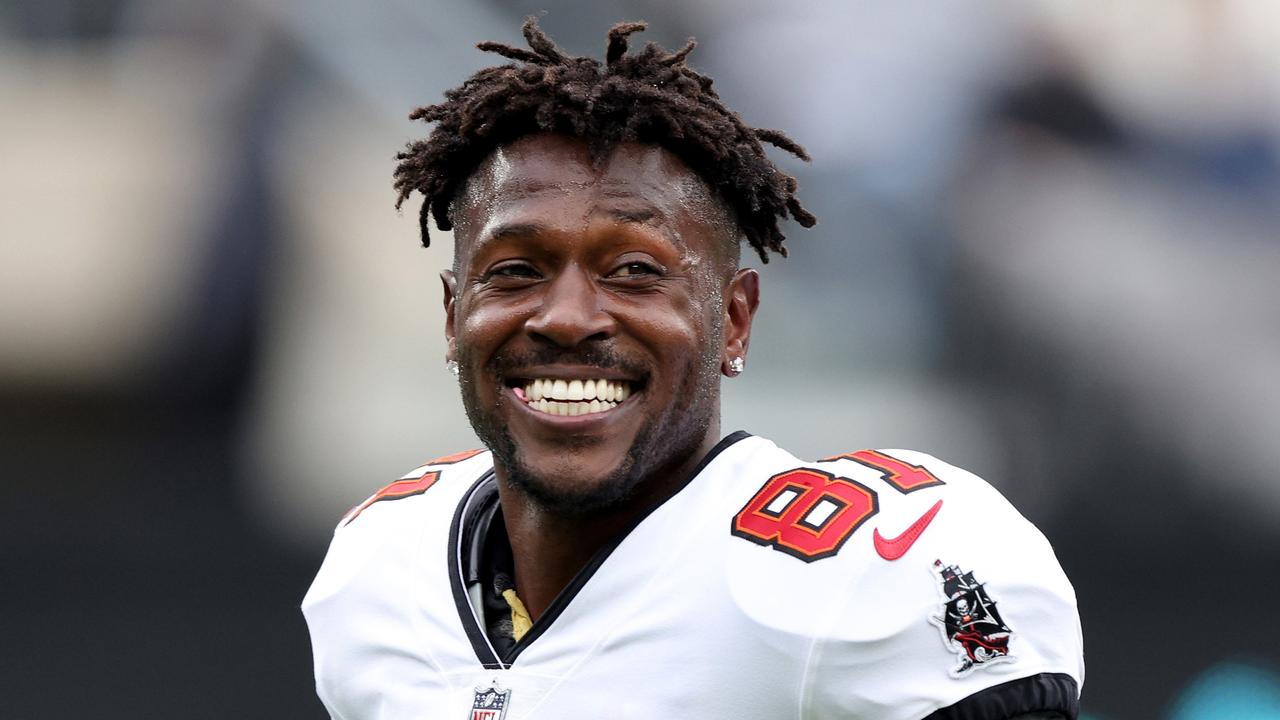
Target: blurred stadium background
1049, 252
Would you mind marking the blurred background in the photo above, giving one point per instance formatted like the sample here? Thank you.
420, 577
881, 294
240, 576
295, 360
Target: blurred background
1049, 252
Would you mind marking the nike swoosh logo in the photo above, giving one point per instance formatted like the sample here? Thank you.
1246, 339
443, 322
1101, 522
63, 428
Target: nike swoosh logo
895, 548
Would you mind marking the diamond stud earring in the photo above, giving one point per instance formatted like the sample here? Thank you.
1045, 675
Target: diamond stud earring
452, 367
736, 366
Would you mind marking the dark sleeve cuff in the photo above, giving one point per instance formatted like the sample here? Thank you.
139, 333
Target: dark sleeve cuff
1054, 692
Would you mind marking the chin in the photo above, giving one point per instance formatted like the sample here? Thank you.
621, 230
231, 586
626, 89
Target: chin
595, 475
574, 486
573, 477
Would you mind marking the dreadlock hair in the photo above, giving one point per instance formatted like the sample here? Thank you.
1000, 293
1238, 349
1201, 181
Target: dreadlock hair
650, 97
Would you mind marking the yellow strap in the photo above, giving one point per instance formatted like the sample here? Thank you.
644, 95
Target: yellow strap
520, 622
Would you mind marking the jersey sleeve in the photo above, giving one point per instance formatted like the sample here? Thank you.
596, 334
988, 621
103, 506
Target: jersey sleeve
975, 620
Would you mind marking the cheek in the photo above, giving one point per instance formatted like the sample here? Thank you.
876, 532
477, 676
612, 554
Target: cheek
685, 328
481, 327
703, 312
706, 302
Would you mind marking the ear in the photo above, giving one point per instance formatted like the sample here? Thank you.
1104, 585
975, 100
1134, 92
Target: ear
450, 282
742, 297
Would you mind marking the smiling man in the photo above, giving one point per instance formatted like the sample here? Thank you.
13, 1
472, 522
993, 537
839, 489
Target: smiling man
610, 554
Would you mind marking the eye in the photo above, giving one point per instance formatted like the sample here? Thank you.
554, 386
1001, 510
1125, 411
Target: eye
635, 269
512, 271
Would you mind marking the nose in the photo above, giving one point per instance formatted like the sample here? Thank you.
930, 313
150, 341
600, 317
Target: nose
571, 312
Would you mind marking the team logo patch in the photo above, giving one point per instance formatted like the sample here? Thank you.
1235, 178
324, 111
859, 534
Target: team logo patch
491, 703
971, 626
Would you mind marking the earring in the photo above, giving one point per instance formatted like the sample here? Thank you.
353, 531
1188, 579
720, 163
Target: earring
736, 366
452, 366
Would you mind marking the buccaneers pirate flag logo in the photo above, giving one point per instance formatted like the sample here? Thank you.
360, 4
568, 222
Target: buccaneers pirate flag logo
971, 626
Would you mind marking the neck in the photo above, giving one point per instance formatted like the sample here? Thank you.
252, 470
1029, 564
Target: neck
549, 548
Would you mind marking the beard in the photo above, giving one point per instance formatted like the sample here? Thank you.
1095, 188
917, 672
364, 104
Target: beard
664, 440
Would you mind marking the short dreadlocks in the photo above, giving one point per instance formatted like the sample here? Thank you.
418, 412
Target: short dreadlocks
651, 97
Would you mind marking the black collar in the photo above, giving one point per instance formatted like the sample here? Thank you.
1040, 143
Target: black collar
480, 552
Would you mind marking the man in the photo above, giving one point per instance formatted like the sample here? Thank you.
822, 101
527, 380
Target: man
610, 555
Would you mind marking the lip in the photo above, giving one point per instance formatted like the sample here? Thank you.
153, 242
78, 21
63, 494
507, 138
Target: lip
568, 372
590, 421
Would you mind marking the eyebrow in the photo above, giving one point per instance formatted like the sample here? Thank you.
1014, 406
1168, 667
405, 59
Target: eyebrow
640, 216
517, 229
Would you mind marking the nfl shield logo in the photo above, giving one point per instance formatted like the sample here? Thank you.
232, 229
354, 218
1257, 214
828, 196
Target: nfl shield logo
490, 703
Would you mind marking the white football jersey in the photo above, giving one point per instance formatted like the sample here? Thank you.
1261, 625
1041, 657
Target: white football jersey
884, 585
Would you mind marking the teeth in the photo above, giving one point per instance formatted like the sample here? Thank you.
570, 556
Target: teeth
576, 390
575, 397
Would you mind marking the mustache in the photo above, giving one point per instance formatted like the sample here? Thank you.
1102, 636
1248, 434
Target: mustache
505, 363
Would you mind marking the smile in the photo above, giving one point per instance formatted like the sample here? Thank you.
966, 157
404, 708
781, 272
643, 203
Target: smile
573, 397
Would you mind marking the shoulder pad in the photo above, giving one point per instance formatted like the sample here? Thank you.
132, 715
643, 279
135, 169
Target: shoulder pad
415, 482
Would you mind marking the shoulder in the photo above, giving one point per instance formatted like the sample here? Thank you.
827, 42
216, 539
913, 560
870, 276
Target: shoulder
451, 470
375, 540
852, 504
932, 515
361, 607
927, 589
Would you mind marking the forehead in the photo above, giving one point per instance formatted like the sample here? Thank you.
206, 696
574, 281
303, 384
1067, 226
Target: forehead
554, 181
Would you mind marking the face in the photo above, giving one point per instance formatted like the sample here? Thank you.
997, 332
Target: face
592, 309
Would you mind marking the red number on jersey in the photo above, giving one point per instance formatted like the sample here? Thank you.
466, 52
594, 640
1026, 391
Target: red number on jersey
806, 513
455, 457
410, 486
395, 491
903, 476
